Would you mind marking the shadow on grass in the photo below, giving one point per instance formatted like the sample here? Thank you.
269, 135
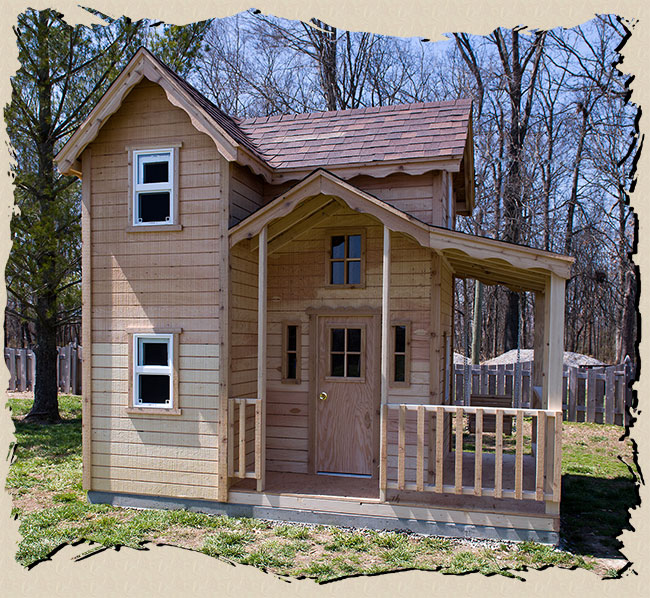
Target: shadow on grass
594, 512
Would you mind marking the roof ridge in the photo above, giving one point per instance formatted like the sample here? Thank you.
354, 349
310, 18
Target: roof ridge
406, 106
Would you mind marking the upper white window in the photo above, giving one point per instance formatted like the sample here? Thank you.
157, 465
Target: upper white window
153, 379
153, 187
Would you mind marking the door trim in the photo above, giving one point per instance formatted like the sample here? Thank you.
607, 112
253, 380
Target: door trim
314, 314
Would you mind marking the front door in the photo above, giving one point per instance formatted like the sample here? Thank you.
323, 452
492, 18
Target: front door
347, 395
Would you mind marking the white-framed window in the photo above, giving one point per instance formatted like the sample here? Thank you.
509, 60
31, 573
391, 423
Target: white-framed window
154, 187
153, 371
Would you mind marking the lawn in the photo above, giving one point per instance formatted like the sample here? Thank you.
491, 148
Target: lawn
45, 483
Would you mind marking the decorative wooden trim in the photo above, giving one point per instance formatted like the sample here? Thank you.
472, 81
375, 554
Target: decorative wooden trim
225, 450
262, 288
362, 377
344, 232
385, 317
343, 311
153, 329
175, 408
472, 256
174, 224
151, 411
298, 351
312, 391
392, 383
86, 324
376, 170
154, 228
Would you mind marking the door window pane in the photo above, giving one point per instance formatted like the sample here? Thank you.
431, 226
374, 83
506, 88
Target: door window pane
354, 340
338, 340
338, 365
354, 365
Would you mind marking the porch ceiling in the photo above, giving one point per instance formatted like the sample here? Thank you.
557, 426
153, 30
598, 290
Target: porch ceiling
322, 195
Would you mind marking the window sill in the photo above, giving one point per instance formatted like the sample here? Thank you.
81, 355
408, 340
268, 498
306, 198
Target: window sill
153, 228
152, 411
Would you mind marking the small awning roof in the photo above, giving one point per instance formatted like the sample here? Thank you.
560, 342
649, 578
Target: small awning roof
490, 261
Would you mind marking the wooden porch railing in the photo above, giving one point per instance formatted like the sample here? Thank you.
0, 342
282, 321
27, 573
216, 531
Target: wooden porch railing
422, 450
245, 433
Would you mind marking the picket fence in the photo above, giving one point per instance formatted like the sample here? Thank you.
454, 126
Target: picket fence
589, 394
22, 369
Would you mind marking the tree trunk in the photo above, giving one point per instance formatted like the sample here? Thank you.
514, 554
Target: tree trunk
46, 406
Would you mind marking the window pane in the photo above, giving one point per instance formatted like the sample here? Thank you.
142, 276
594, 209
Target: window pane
337, 365
354, 340
354, 366
291, 366
153, 207
338, 339
338, 248
354, 272
291, 337
400, 368
338, 272
354, 246
153, 389
400, 339
155, 172
153, 353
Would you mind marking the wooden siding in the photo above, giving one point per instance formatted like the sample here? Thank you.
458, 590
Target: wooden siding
297, 283
423, 196
165, 279
243, 322
246, 193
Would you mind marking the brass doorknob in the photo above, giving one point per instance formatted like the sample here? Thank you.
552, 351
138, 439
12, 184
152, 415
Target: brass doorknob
322, 396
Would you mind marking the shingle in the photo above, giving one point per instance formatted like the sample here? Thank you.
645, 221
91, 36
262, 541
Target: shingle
401, 131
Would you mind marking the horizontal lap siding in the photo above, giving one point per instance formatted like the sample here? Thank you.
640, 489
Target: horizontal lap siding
246, 193
243, 322
166, 279
419, 195
298, 281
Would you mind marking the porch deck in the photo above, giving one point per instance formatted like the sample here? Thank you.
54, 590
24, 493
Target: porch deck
348, 501
367, 489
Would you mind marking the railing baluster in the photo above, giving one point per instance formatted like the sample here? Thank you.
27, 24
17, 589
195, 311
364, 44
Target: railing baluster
519, 456
401, 457
541, 451
557, 458
258, 440
231, 438
383, 457
459, 451
498, 456
242, 438
439, 448
419, 480
478, 455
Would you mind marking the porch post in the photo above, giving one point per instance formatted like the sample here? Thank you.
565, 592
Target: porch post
554, 316
554, 325
385, 362
260, 451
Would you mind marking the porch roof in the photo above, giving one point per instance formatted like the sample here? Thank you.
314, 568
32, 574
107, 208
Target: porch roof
321, 194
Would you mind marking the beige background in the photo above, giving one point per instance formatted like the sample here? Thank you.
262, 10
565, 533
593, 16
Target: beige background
167, 571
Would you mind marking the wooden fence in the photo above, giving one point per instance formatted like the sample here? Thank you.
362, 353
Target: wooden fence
22, 369
591, 394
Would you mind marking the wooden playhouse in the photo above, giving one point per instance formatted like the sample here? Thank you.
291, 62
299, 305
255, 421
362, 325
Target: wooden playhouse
268, 317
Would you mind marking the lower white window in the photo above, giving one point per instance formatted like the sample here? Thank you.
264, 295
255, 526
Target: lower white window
153, 371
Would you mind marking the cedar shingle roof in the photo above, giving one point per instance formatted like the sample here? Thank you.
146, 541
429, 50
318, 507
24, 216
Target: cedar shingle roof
325, 139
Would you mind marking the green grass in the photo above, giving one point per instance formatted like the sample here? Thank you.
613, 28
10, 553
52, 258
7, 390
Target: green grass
45, 481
